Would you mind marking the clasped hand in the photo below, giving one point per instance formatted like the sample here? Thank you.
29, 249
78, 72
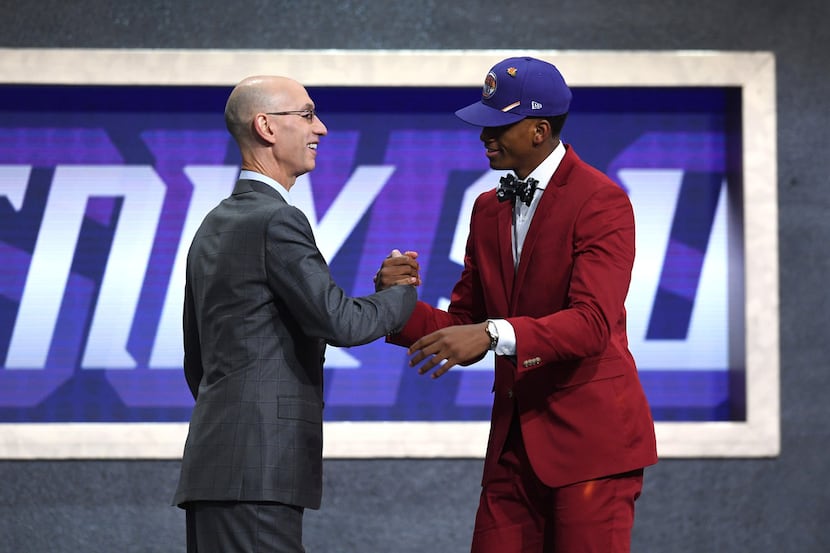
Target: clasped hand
398, 269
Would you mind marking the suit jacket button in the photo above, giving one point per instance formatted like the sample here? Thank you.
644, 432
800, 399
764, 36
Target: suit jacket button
510, 393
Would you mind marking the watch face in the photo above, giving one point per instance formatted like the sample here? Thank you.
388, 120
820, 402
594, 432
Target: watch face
493, 333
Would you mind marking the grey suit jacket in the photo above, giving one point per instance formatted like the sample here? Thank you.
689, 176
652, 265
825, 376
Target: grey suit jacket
260, 306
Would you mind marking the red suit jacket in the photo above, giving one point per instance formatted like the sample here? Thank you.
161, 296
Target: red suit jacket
574, 383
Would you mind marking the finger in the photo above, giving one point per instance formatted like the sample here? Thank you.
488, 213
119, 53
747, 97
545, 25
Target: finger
410, 253
402, 261
417, 357
419, 354
395, 253
430, 345
446, 365
429, 364
421, 344
416, 346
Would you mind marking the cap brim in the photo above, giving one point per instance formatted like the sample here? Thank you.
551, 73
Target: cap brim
484, 116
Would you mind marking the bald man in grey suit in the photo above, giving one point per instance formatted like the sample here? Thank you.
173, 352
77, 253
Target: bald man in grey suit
260, 306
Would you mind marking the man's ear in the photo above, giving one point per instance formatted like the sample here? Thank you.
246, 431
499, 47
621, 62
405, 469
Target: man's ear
262, 128
541, 131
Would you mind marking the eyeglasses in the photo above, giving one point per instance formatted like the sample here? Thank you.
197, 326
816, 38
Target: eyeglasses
307, 114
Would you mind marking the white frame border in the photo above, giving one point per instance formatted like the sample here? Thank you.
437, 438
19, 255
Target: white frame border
754, 72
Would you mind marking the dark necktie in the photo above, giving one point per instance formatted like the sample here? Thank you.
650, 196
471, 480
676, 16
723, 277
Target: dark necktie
511, 188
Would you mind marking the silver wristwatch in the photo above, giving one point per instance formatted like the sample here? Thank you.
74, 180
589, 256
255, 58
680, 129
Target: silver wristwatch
493, 333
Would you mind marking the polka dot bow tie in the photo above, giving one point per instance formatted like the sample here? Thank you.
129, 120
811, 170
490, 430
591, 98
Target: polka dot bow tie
511, 188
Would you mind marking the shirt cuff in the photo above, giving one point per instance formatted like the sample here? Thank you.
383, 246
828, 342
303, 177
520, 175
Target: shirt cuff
507, 337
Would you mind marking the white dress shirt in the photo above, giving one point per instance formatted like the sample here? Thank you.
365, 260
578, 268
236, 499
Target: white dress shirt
522, 216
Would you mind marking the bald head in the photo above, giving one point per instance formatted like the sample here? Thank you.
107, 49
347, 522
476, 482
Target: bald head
254, 95
274, 122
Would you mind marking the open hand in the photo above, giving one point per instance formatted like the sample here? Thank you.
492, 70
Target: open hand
448, 347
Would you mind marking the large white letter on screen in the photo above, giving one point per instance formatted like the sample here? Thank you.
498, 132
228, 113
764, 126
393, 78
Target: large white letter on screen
143, 193
210, 185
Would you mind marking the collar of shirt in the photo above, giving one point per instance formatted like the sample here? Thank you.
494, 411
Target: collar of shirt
247, 174
522, 213
544, 172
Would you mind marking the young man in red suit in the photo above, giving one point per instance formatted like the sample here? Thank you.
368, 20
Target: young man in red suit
546, 272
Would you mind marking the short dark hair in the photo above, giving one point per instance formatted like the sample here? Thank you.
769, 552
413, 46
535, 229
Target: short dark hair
556, 123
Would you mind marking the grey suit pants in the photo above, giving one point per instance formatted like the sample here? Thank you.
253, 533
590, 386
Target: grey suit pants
237, 527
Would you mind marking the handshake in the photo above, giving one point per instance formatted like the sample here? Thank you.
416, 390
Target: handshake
398, 269
444, 348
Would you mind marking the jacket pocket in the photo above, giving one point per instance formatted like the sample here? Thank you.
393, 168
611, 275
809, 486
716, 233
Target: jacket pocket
296, 408
590, 370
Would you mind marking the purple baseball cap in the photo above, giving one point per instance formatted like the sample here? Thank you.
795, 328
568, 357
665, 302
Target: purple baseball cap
517, 88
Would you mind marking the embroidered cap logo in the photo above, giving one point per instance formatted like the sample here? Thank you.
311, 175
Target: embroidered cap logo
489, 85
